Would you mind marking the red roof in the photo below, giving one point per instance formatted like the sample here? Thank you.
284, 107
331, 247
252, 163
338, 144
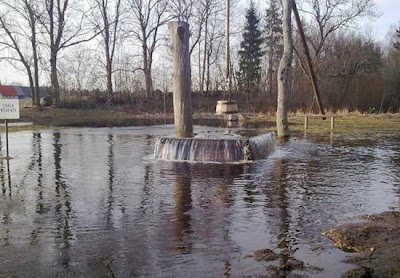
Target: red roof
8, 91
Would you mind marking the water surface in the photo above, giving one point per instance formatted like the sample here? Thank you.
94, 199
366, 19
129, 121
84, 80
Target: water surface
88, 202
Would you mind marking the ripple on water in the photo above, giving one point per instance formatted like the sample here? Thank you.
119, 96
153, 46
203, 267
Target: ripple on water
77, 200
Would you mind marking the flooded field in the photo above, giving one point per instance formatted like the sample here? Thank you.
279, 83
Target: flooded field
87, 202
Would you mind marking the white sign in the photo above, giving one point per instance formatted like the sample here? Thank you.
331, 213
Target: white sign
9, 109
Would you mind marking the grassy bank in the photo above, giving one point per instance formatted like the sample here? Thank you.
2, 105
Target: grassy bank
123, 116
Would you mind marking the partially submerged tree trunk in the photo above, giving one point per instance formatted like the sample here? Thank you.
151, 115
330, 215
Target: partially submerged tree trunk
181, 78
284, 71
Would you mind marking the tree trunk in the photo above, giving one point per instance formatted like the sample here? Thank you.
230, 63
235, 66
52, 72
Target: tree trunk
36, 92
55, 86
227, 48
147, 71
36, 80
203, 74
208, 73
181, 78
31, 85
284, 71
54, 48
110, 91
199, 64
33, 90
149, 82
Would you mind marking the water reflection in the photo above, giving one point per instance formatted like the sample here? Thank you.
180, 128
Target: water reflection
82, 198
183, 205
62, 207
110, 164
37, 151
5, 234
5, 175
40, 206
285, 243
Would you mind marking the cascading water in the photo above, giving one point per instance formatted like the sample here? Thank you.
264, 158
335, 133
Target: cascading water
214, 150
261, 146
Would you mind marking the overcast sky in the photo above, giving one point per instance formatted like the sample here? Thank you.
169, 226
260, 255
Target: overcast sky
390, 10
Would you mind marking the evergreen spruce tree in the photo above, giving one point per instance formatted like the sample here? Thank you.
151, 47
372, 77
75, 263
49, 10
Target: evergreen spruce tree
397, 43
273, 41
250, 51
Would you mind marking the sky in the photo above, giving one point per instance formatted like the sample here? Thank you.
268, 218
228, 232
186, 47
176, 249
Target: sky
390, 10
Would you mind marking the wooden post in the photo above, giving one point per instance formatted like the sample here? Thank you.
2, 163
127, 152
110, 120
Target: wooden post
306, 122
332, 123
313, 78
181, 78
7, 150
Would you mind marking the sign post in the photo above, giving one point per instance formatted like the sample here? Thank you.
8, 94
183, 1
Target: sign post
9, 110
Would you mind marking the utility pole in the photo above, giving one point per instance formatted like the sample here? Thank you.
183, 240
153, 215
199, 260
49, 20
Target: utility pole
313, 77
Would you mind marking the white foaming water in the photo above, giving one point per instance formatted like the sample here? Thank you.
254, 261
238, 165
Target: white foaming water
214, 150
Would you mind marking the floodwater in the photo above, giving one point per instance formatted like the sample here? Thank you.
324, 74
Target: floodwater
86, 202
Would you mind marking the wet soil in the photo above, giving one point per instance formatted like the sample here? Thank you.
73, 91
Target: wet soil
377, 240
285, 265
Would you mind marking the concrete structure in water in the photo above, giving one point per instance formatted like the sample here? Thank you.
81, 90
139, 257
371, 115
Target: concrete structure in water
185, 147
215, 149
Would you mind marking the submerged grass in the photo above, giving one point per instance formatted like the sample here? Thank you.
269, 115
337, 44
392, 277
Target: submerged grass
343, 124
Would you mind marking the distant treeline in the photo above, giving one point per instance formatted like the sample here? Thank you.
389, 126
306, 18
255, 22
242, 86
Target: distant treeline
94, 52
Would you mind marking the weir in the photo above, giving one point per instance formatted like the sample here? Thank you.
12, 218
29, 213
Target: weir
184, 147
214, 150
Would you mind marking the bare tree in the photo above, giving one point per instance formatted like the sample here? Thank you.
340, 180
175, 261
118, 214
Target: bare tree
329, 16
215, 41
192, 12
106, 16
284, 70
18, 34
149, 16
80, 70
326, 18
64, 29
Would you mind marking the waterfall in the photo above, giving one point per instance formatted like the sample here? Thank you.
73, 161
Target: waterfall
261, 145
214, 150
